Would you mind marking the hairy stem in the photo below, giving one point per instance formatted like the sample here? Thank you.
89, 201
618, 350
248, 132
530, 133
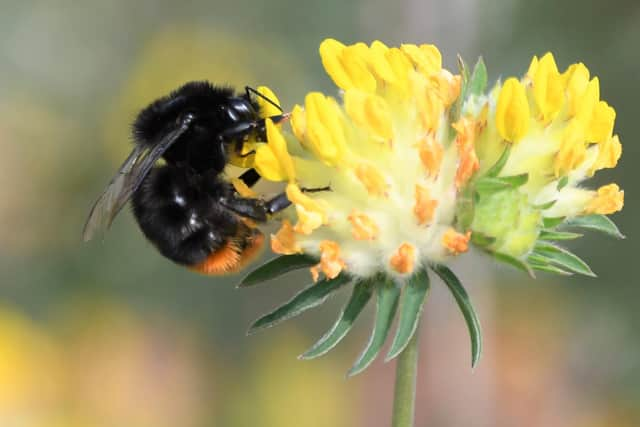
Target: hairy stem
404, 396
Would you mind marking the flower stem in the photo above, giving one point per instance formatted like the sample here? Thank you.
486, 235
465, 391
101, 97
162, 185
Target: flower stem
404, 395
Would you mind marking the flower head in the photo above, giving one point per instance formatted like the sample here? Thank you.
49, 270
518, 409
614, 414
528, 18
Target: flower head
412, 164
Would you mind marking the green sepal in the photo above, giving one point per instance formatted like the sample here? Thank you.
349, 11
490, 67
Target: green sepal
541, 263
387, 295
464, 303
456, 109
360, 296
515, 262
481, 239
478, 79
597, 222
558, 235
493, 185
562, 182
277, 267
495, 170
562, 258
552, 222
414, 294
545, 206
310, 297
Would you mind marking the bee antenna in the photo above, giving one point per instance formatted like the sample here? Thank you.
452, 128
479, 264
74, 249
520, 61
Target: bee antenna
249, 90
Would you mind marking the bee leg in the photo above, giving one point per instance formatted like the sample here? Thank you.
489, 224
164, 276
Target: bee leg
259, 210
255, 209
250, 177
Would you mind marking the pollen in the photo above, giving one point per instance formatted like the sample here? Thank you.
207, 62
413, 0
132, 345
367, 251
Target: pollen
403, 260
363, 227
431, 153
372, 179
465, 141
284, 241
330, 262
456, 242
425, 206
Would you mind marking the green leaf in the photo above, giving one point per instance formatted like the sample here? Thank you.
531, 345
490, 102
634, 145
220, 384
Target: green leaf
597, 222
386, 305
515, 262
413, 296
464, 303
541, 263
562, 258
359, 298
558, 235
310, 297
497, 167
478, 80
277, 267
562, 182
552, 222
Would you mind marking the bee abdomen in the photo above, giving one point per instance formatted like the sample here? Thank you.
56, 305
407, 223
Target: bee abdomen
179, 219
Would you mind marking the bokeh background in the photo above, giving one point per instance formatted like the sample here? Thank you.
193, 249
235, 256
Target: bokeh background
111, 334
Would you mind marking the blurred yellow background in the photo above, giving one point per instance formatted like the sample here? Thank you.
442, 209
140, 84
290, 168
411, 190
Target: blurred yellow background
111, 334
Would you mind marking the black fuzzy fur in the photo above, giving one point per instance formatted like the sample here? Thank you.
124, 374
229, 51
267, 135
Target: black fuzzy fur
177, 205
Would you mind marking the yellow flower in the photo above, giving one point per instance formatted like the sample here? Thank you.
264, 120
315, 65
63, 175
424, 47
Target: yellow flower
405, 162
548, 90
609, 199
512, 114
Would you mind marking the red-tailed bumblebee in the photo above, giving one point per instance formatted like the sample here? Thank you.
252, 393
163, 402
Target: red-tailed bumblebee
184, 206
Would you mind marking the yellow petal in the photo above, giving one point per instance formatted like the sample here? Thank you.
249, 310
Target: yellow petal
608, 154
324, 128
298, 122
403, 260
330, 54
267, 109
370, 112
601, 126
533, 67
576, 79
427, 58
243, 189
548, 91
267, 164
512, 111
273, 161
379, 64
609, 199
572, 149
587, 102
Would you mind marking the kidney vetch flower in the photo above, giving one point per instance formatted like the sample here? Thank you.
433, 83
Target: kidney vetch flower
412, 164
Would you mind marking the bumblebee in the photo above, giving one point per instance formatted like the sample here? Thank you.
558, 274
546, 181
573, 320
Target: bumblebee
185, 207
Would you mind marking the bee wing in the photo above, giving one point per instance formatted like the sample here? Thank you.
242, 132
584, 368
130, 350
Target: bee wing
126, 181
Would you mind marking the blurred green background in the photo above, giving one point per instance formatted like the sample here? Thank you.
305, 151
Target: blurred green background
111, 334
